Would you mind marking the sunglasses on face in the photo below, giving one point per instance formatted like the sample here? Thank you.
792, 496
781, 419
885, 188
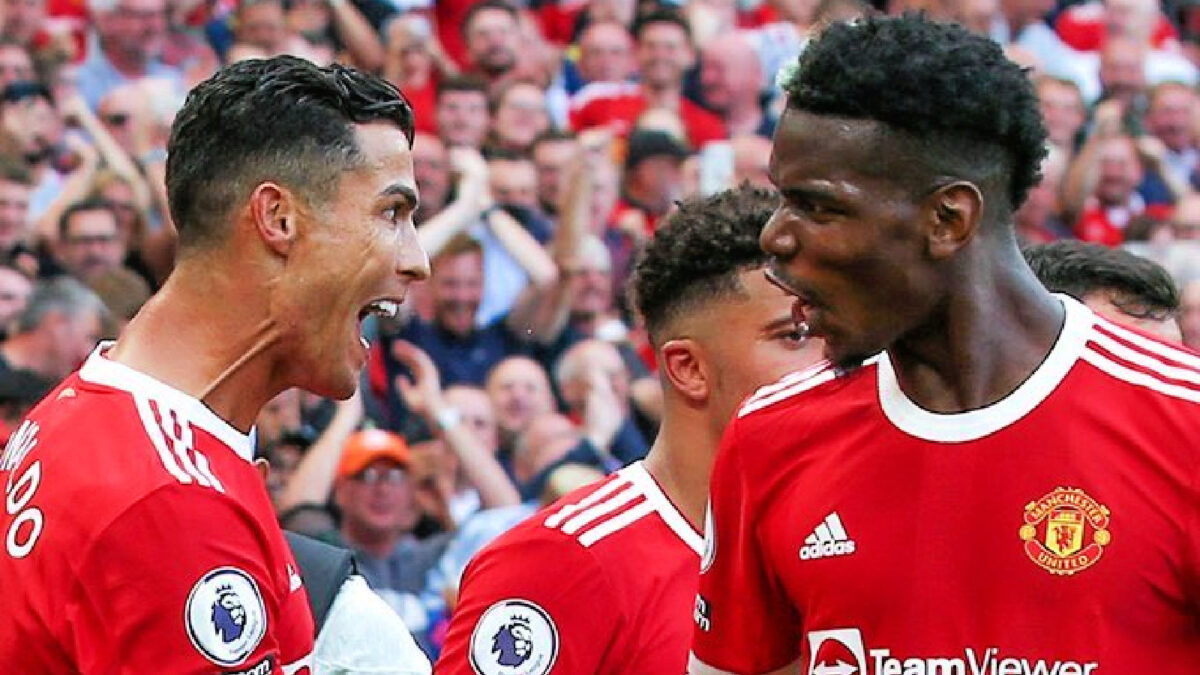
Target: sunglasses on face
392, 475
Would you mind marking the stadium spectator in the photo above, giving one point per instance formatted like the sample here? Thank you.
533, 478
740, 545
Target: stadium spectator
126, 43
123, 292
492, 36
730, 77
605, 54
59, 326
24, 22
594, 383
89, 241
1171, 118
461, 112
431, 166
15, 289
15, 64
1063, 111
664, 53
16, 188
1114, 283
518, 115
1100, 189
415, 63
552, 152
1039, 220
519, 390
652, 180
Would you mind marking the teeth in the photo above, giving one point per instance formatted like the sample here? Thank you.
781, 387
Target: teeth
384, 308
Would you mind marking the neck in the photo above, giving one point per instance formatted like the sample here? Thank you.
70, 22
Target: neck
372, 542
984, 341
658, 95
744, 119
681, 459
228, 363
127, 63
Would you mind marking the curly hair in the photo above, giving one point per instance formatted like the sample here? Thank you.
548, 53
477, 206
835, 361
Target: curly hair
696, 255
965, 109
281, 119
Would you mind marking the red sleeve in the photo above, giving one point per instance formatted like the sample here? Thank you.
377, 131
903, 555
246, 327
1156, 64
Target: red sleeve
744, 623
704, 127
179, 583
542, 604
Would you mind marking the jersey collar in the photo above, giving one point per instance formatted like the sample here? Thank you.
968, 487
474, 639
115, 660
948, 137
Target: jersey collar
975, 424
637, 474
101, 370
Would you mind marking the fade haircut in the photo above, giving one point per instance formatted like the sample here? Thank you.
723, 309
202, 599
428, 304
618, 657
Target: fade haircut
1139, 287
954, 104
281, 119
696, 255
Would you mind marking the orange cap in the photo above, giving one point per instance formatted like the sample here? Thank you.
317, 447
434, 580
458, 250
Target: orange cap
368, 445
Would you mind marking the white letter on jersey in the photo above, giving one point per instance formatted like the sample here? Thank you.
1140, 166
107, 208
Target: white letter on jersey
18, 497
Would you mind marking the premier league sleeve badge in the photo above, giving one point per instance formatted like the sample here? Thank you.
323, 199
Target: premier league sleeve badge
514, 637
225, 617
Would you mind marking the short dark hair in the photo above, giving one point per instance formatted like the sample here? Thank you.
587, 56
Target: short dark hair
1140, 287
282, 119
696, 255
478, 7
552, 135
83, 206
965, 110
461, 83
660, 15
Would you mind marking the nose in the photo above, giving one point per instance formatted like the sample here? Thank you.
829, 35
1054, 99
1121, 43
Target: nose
412, 260
776, 239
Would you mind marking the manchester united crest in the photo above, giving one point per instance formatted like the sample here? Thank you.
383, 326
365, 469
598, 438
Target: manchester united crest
1065, 531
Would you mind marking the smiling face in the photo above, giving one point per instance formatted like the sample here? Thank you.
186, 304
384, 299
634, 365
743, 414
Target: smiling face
357, 249
847, 238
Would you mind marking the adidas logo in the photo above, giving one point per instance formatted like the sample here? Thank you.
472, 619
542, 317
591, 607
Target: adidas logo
829, 539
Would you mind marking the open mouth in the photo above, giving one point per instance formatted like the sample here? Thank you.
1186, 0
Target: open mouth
803, 305
385, 308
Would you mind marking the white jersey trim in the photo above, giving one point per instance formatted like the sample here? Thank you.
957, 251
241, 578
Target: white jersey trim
1140, 378
1146, 344
976, 424
591, 519
101, 370
802, 382
295, 666
697, 667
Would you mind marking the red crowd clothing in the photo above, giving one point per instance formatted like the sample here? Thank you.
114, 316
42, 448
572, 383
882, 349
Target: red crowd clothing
139, 538
617, 105
1051, 532
1083, 27
601, 582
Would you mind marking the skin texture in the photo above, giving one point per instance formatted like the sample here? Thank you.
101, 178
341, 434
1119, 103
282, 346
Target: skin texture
878, 263
299, 274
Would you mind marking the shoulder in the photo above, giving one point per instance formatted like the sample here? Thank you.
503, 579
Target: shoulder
1144, 363
797, 388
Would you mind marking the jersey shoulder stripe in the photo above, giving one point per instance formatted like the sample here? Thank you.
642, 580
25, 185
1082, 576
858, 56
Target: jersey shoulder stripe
789, 387
1137, 359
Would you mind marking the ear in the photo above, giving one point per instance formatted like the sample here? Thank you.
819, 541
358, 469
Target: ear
683, 365
274, 210
955, 213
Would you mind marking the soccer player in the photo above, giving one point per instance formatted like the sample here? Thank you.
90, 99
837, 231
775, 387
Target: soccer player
604, 580
985, 477
1116, 284
138, 537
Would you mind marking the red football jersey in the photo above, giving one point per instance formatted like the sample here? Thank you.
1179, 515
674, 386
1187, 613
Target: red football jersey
139, 538
601, 582
1053, 532
617, 105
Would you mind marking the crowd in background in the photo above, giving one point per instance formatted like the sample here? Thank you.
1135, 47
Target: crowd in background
551, 139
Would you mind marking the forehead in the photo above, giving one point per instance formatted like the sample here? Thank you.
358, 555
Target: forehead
491, 18
662, 30
93, 219
473, 400
386, 158
518, 370
810, 147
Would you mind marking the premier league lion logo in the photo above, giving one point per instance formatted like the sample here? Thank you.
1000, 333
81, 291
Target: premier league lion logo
513, 643
228, 615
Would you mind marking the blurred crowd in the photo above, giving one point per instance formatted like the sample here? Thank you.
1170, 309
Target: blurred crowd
552, 138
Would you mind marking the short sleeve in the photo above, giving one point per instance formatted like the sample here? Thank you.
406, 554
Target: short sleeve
744, 623
363, 635
179, 583
543, 604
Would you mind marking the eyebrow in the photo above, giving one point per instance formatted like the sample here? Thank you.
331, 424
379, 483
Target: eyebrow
396, 189
778, 324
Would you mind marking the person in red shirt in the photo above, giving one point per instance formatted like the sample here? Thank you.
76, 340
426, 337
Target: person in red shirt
603, 580
138, 534
984, 477
664, 53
